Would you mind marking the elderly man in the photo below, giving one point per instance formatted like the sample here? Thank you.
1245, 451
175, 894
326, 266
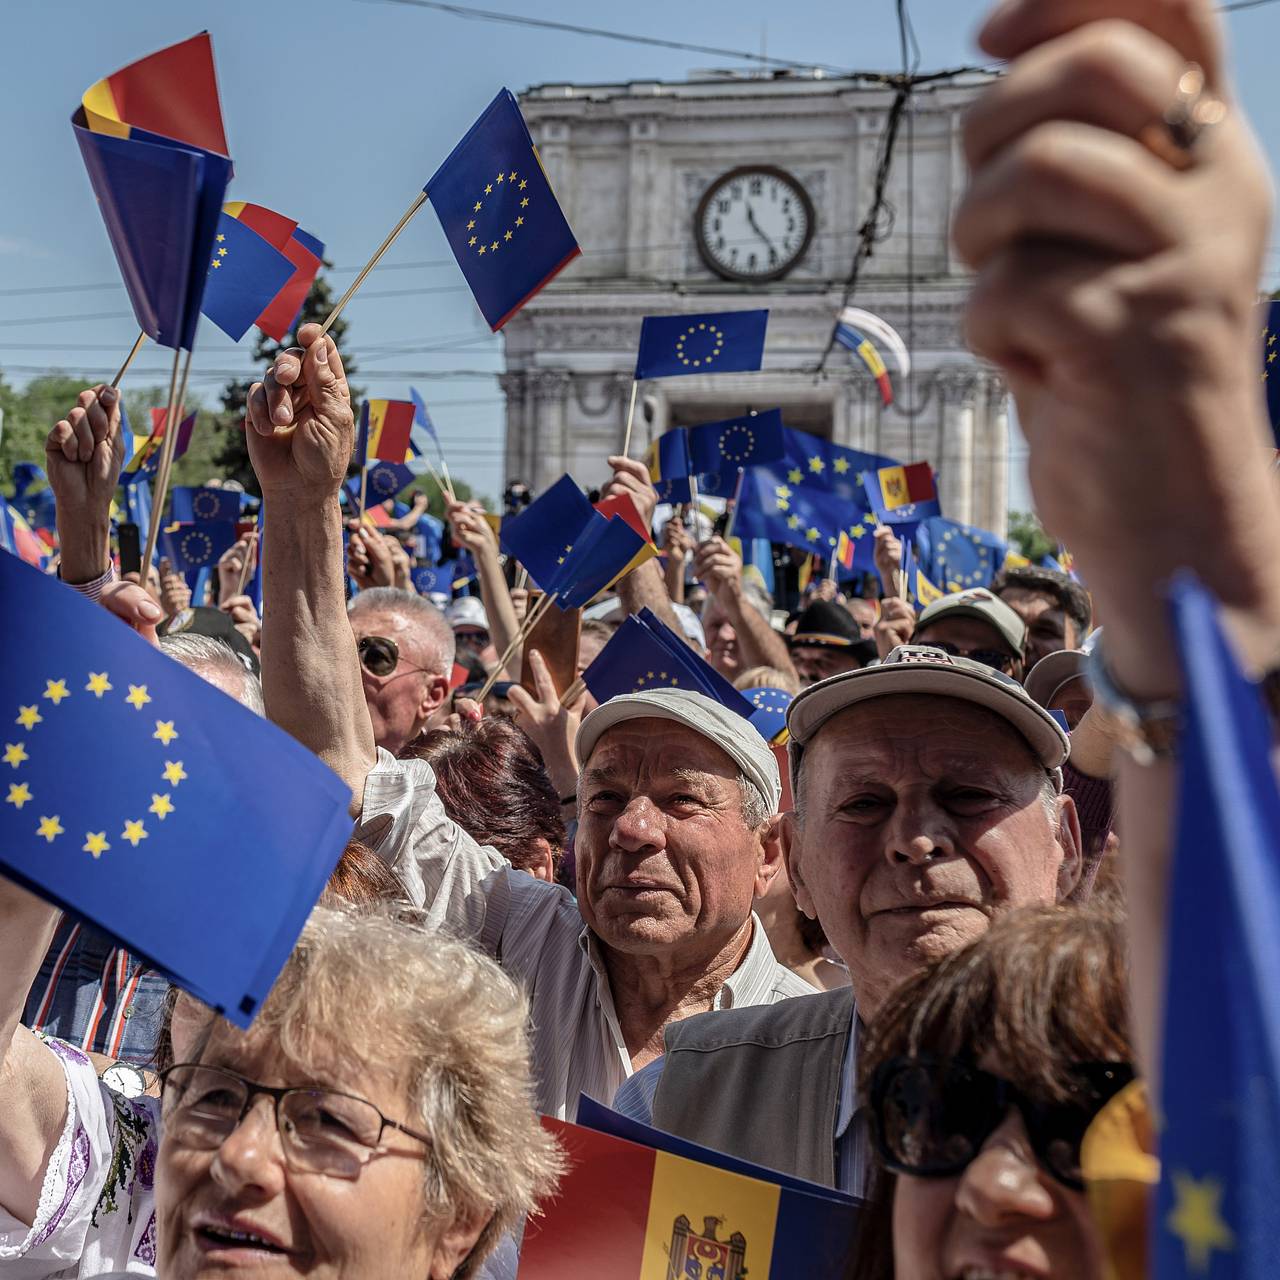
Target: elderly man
1055, 610
735, 619
677, 801
928, 799
826, 642
406, 653
975, 624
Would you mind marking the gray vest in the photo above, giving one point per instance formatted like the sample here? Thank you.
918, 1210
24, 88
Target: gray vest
761, 1083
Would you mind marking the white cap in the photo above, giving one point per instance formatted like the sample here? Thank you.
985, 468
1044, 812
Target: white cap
467, 611
736, 736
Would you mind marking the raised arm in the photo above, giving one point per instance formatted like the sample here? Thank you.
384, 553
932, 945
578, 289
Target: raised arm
1117, 275
300, 432
475, 533
719, 566
644, 587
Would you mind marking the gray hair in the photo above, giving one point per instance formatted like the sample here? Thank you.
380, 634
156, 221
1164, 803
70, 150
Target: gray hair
757, 597
419, 613
208, 657
381, 987
755, 807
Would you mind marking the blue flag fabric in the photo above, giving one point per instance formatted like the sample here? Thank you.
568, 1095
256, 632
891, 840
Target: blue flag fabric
499, 214
1216, 1216
26, 475
386, 479
137, 503
192, 503
720, 448
1271, 366
426, 581
644, 653
958, 556
196, 546
245, 273
669, 469
715, 342
770, 711
423, 428
596, 559
122, 761
545, 531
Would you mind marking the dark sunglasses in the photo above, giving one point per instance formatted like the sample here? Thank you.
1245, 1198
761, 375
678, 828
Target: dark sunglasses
381, 656
930, 1118
988, 657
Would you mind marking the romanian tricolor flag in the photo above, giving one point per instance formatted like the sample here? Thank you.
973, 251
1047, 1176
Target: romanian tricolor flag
144, 458
385, 426
304, 252
902, 494
629, 1212
624, 509
845, 550
153, 143
864, 349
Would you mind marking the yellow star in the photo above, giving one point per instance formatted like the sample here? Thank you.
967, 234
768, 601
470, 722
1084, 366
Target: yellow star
161, 806
519, 222
19, 794
98, 683
220, 237
524, 204
502, 177
1271, 355
215, 263
174, 773
511, 177
782, 491
783, 504
165, 731
28, 717
793, 522
508, 235
1271, 339
484, 248
472, 240
14, 753
489, 189
222, 253
471, 226
816, 464
95, 842
475, 208
523, 183
56, 690
859, 531
138, 696
134, 832
494, 246
1196, 1220
50, 828
841, 465
795, 475
811, 535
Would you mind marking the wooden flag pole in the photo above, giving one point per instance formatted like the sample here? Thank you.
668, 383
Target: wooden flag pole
373, 262
244, 568
532, 618
444, 468
573, 692
631, 415
128, 360
177, 393
364, 480
733, 510
831, 568
693, 502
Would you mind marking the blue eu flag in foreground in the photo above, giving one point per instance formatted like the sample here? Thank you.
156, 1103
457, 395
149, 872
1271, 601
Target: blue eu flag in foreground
1216, 1216
196, 546
199, 502
718, 342
644, 653
134, 798
1271, 366
719, 448
246, 271
499, 214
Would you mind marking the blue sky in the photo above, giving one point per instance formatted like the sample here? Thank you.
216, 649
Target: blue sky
337, 111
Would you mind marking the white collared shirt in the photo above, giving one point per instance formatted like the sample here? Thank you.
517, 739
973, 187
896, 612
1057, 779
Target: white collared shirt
534, 930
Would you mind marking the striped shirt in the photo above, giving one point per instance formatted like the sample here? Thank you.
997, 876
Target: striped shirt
534, 930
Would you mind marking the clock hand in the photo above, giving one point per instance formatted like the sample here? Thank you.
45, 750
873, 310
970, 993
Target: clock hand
755, 226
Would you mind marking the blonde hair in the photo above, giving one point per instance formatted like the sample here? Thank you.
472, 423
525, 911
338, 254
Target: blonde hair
768, 678
389, 993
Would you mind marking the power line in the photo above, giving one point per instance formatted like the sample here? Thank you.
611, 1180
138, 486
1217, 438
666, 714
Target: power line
1243, 4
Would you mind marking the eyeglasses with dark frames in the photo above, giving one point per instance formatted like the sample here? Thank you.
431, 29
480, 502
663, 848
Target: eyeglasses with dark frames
321, 1130
993, 658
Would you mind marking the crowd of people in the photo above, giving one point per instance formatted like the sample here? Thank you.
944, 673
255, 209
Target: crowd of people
913, 958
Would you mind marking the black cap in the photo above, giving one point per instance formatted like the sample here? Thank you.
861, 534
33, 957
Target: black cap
826, 625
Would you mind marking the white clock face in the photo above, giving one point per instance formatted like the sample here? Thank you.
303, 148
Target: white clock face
754, 224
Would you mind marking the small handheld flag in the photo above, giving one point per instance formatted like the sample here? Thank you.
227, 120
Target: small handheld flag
202, 503
499, 214
849, 337
719, 448
903, 494
245, 273
196, 546
384, 431
719, 342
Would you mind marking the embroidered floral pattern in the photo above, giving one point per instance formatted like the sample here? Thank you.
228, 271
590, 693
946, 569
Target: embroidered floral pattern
146, 1250
77, 1167
132, 1131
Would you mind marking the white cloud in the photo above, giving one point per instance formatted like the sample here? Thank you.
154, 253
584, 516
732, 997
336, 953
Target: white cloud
16, 244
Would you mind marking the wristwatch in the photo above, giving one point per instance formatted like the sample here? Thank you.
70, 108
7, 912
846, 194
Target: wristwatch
126, 1079
1147, 728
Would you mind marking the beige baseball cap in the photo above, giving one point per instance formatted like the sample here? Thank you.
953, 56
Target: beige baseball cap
913, 668
736, 736
978, 603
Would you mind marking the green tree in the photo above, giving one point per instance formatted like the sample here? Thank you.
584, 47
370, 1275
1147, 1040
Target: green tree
1026, 533
232, 455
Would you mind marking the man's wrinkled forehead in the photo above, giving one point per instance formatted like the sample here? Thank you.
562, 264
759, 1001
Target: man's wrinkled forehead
656, 746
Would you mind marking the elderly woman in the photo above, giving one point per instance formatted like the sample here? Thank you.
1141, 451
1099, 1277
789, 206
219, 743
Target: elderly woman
375, 1121
981, 1076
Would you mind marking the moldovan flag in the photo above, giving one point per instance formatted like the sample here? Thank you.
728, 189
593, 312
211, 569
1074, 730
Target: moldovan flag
384, 430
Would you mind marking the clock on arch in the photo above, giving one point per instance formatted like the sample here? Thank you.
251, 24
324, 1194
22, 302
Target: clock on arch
753, 223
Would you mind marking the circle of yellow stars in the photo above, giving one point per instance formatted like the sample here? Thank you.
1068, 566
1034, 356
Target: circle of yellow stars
48, 826
658, 678
510, 181
732, 447
711, 331
206, 546
221, 253
204, 505
383, 480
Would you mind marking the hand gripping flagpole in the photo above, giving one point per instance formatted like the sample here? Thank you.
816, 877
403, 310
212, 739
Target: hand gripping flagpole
177, 394
373, 262
128, 360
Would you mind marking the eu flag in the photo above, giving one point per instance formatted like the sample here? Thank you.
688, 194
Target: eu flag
499, 214
603, 551
196, 546
719, 342
644, 653
545, 531
26, 475
958, 556
669, 470
192, 503
122, 769
1215, 1216
152, 141
750, 441
245, 274
1271, 366
386, 479
423, 428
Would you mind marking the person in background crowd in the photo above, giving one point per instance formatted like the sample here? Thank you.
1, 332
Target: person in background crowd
979, 1077
826, 641
1058, 683
492, 783
736, 618
376, 558
470, 623
798, 940
406, 651
927, 802
975, 624
1056, 610
864, 612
